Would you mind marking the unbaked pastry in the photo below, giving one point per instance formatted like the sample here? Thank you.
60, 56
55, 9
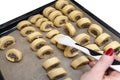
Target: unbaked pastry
40, 21
48, 10
93, 47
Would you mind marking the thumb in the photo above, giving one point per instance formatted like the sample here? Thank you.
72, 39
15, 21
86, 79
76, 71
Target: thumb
103, 64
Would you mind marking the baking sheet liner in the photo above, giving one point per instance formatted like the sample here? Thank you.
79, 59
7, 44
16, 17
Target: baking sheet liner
30, 67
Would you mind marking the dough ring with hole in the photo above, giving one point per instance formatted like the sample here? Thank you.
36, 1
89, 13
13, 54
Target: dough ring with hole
60, 21
51, 63
82, 39
114, 45
6, 42
75, 15
40, 21
79, 62
68, 9
54, 14
46, 26
95, 30
37, 44
84, 23
61, 4
27, 30
52, 33
102, 39
34, 18
68, 79
14, 55
48, 10
70, 52
56, 73
53, 41
60, 46
70, 29
35, 35
93, 47
44, 52
23, 24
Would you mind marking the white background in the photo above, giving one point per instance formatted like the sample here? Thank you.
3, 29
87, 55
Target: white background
107, 10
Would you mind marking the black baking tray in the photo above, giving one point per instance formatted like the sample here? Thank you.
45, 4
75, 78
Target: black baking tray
9, 26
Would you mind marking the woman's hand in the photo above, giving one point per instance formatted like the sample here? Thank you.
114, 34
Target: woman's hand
100, 68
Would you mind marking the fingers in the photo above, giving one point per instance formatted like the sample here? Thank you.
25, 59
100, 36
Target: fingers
91, 64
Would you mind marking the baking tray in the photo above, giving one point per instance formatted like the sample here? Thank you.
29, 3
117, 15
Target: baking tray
31, 69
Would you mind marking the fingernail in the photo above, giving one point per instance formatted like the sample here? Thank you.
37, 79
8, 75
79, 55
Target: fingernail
109, 52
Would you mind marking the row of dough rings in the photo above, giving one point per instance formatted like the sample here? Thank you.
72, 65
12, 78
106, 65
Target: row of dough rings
60, 4
75, 15
68, 9
35, 35
68, 79
44, 51
23, 24
6, 42
47, 11
60, 46
102, 39
60, 21
70, 52
93, 47
53, 41
79, 62
34, 18
40, 21
70, 29
27, 30
82, 39
114, 44
52, 33
95, 30
14, 55
37, 44
51, 63
56, 73
84, 22
54, 14
46, 26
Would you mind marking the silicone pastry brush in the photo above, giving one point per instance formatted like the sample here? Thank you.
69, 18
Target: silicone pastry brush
68, 41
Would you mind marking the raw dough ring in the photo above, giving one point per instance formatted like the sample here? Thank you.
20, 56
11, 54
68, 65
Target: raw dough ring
53, 41
52, 33
54, 14
34, 18
93, 47
47, 11
60, 21
51, 63
46, 26
56, 73
68, 9
23, 24
40, 21
95, 30
75, 15
84, 23
44, 51
60, 46
114, 45
70, 52
83, 39
70, 29
27, 30
102, 39
14, 55
6, 42
33, 36
68, 79
61, 4
37, 44
79, 62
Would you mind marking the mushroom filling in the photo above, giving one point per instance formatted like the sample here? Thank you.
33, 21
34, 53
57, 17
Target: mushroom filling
84, 41
63, 6
37, 37
50, 12
94, 32
39, 46
62, 21
8, 43
73, 50
48, 26
25, 25
117, 50
67, 31
47, 53
86, 25
29, 32
13, 56
69, 11
105, 41
77, 17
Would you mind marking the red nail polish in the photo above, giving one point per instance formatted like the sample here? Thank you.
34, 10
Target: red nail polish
109, 52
